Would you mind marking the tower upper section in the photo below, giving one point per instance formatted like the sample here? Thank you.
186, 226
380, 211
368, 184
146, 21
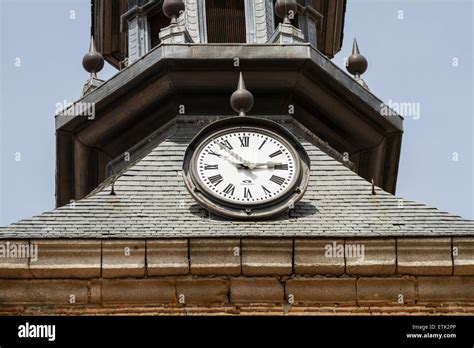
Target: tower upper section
125, 30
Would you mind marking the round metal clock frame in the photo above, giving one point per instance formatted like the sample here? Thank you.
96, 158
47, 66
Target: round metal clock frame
247, 210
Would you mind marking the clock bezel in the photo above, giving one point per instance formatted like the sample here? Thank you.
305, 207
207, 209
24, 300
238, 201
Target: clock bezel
244, 205
248, 210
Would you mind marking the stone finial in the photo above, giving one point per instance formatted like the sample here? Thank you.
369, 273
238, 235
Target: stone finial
286, 33
172, 9
357, 64
241, 100
93, 62
283, 9
174, 33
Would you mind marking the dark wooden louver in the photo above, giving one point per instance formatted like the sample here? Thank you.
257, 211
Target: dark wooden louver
225, 21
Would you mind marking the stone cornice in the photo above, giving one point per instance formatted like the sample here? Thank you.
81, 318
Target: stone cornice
95, 258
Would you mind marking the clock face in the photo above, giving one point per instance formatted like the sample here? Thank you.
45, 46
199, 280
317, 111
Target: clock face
246, 166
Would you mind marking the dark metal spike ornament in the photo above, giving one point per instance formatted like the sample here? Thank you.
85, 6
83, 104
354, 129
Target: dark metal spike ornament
241, 100
355, 47
172, 9
357, 64
93, 62
283, 8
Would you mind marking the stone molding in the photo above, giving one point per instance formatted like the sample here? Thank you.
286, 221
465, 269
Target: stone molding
287, 34
425, 256
261, 256
215, 256
399, 292
463, 256
92, 259
123, 259
167, 257
394, 273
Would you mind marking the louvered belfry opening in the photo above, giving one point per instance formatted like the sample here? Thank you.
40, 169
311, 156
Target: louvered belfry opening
225, 21
158, 21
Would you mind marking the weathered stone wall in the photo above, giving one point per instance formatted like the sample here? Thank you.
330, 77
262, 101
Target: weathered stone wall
284, 275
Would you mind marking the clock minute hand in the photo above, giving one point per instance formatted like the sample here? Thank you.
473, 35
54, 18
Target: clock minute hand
245, 163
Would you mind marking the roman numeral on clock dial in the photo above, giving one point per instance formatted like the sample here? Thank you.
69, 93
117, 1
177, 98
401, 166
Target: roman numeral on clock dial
211, 166
277, 180
227, 144
216, 179
247, 193
244, 141
275, 154
267, 191
214, 154
281, 167
229, 190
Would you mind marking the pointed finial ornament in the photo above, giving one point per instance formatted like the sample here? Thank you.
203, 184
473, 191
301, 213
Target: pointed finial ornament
286, 8
355, 47
93, 62
241, 100
357, 64
172, 9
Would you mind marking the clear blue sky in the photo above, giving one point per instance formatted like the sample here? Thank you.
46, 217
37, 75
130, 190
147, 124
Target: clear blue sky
410, 60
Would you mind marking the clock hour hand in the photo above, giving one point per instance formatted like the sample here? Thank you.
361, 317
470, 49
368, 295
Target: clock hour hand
268, 165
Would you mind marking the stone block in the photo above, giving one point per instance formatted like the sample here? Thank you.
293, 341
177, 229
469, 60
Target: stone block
424, 256
330, 291
14, 259
262, 257
202, 291
215, 256
287, 34
67, 259
450, 289
95, 291
463, 256
314, 257
138, 291
378, 257
385, 291
256, 290
44, 292
123, 259
167, 257
175, 34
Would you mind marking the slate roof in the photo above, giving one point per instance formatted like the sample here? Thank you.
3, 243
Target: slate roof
151, 201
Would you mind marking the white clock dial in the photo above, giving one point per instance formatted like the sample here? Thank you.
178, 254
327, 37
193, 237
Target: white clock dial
246, 167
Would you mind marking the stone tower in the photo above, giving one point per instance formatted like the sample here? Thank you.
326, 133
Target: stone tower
310, 225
